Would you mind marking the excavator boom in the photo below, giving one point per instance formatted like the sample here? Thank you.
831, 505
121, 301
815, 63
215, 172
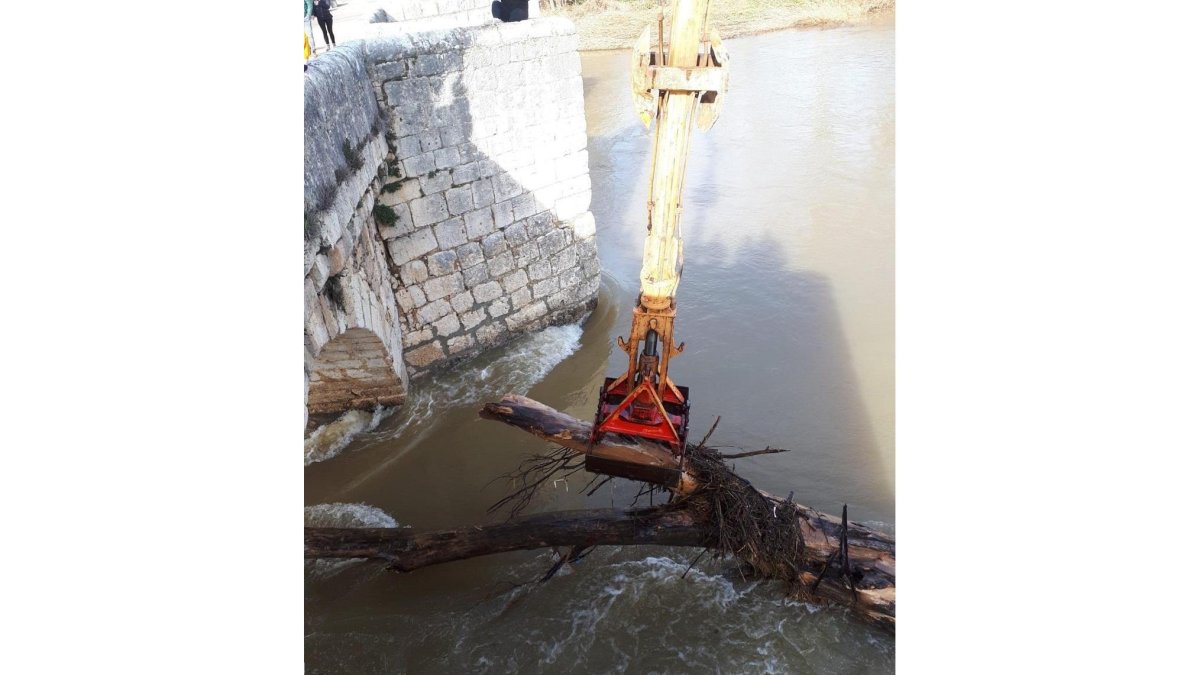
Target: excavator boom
679, 85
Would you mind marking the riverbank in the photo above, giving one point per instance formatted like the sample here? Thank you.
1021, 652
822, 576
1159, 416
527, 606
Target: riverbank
615, 24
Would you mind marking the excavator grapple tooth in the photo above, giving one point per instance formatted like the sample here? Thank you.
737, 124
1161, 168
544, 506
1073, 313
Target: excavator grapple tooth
615, 415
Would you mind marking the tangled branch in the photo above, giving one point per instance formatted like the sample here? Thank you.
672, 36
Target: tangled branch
532, 474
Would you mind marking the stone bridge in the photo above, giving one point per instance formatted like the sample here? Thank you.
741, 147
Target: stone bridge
447, 200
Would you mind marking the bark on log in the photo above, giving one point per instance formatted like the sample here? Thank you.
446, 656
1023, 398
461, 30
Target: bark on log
557, 427
406, 550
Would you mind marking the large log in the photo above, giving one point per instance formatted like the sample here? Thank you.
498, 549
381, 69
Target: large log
557, 427
871, 590
405, 550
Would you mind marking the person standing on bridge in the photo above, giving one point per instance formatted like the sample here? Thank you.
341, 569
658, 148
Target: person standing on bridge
325, 21
308, 31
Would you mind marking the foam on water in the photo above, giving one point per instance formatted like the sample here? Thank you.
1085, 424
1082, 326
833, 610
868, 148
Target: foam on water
341, 515
656, 571
616, 611
515, 367
609, 603
347, 515
330, 439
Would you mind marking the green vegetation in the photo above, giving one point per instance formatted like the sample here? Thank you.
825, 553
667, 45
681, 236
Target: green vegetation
335, 292
385, 215
323, 198
353, 156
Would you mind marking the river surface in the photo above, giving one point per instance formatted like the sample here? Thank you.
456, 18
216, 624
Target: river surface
787, 308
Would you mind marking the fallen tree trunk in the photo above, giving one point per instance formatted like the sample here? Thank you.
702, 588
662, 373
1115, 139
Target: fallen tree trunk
813, 553
794, 543
406, 551
672, 525
562, 429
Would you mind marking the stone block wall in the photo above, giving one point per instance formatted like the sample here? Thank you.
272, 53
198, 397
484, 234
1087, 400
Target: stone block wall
353, 335
487, 184
446, 198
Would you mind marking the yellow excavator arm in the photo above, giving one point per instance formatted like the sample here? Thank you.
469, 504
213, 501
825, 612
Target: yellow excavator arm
679, 80
677, 90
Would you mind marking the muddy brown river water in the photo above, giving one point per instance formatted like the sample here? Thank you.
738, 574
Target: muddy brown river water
787, 308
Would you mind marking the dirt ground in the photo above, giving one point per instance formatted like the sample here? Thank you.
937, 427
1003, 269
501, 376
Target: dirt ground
615, 24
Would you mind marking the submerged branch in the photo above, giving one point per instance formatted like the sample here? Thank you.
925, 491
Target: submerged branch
764, 451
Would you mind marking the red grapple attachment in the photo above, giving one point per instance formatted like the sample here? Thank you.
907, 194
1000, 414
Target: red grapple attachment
643, 403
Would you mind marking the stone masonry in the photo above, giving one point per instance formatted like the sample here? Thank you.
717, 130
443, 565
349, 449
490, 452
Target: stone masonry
353, 336
488, 178
424, 15
446, 202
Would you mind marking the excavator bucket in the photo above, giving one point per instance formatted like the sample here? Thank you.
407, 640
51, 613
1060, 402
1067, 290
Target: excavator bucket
639, 412
641, 416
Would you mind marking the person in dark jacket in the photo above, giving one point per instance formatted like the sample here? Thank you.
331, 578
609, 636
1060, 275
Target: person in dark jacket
510, 10
325, 21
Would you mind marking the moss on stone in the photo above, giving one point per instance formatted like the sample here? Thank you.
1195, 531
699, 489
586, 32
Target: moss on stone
385, 215
353, 156
335, 292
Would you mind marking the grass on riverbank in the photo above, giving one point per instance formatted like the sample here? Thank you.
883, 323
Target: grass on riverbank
615, 24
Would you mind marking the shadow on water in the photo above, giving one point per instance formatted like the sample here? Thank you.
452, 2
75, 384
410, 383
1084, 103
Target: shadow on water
786, 300
777, 369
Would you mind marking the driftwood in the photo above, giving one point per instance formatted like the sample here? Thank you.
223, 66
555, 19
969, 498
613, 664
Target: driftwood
816, 555
406, 551
811, 540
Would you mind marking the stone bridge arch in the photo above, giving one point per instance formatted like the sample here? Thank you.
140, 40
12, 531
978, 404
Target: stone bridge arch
353, 338
354, 371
